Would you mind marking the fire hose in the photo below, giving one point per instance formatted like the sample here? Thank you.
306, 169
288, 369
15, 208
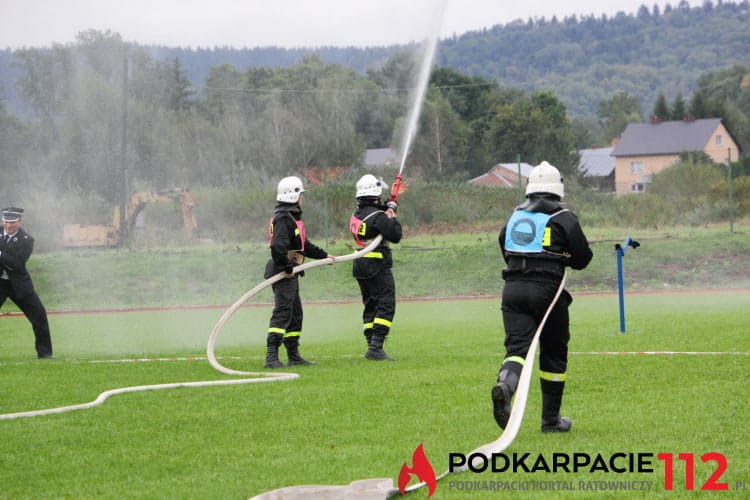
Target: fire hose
257, 289
518, 408
366, 487
383, 487
256, 376
397, 188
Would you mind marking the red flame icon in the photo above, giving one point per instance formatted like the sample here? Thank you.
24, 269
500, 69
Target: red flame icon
421, 468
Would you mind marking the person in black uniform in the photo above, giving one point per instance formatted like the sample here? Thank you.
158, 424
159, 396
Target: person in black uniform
538, 241
289, 246
373, 270
16, 246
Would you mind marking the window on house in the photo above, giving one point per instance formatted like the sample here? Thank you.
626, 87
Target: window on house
637, 187
636, 167
717, 140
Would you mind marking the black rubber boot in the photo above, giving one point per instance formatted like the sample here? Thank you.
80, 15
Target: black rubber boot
273, 341
368, 336
551, 419
292, 350
507, 383
501, 404
375, 350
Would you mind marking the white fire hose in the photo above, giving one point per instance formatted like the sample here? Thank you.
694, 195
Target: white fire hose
519, 404
366, 488
382, 488
261, 286
256, 377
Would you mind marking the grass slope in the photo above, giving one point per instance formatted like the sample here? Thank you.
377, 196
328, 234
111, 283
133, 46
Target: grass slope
426, 265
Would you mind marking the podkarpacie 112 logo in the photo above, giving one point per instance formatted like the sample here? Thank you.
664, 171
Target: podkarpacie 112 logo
675, 471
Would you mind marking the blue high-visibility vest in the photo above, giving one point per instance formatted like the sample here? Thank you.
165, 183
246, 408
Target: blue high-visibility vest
527, 232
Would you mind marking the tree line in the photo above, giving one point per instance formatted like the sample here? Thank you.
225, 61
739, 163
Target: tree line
107, 114
108, 119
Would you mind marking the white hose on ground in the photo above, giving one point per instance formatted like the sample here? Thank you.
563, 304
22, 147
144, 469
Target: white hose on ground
519, 404
256, 377
261, 286
112, 392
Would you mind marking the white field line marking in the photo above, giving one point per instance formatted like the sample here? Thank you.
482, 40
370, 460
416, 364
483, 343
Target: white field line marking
123, 360
148, 360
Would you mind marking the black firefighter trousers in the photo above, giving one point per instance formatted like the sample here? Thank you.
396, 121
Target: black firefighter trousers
379, 299
524, 304
32, 307
286, 318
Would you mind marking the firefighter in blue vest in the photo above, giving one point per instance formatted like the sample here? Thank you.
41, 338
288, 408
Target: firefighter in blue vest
289, 247
373, 270
538, 241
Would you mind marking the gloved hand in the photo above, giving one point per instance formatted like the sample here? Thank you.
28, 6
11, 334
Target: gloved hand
289, 268
392, 205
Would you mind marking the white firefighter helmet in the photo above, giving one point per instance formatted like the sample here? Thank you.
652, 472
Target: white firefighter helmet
544, 178
289, 190
369, 185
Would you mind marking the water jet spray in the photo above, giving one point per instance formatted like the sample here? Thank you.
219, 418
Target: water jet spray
410, 131
369, 488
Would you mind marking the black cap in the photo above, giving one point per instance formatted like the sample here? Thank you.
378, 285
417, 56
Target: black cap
12, 214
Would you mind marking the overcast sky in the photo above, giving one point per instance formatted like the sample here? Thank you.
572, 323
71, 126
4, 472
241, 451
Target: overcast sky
283, 23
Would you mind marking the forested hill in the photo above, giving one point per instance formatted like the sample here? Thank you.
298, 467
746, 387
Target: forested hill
586, 60
583, 59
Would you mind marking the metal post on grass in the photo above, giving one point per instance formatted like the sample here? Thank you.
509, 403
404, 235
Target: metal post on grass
729, 190
620, 250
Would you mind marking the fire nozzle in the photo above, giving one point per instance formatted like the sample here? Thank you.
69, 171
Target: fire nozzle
395, 189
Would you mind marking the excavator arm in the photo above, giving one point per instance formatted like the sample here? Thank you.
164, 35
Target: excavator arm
97, 235
182, 196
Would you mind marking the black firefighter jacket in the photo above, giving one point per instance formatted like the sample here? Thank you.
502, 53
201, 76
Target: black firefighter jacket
376, 222
13, 257
286, 239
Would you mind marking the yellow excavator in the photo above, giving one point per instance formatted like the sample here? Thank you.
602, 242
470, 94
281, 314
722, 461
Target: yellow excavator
103, 235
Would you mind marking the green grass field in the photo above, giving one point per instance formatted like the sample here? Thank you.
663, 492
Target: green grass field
348, 419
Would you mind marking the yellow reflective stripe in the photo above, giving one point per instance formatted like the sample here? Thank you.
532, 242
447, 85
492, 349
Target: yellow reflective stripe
273, 329
552, 377
547, 238
381, 321
516, 359
292, 334
369, 325
373, 255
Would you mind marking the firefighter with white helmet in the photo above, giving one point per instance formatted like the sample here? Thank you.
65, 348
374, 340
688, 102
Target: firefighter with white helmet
538, 241
289, 190
373, 270
289, 245
544, 178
